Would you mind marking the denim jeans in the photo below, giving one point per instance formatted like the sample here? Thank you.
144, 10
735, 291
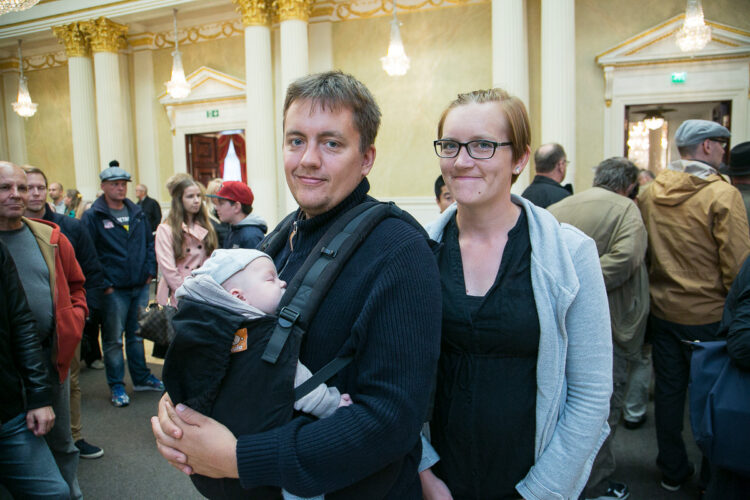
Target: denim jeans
121, 314
27, 468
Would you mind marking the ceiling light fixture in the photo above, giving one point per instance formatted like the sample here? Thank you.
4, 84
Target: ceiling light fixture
694, 34
177, 87
16, 5
23, 105
396, 63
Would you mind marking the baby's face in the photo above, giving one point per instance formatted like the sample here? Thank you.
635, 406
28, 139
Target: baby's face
258, 285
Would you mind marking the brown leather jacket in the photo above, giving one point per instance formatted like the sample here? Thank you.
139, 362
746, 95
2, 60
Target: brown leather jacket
698, 238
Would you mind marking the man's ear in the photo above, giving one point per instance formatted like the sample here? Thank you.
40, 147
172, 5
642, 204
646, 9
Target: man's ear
368, 159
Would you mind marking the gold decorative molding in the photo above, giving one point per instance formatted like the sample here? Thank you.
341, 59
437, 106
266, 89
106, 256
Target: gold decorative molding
194, 34
254, 12
45, 61
74, 40
289, 10
103, 34
331, 10
681, 60
10, 64
608, 102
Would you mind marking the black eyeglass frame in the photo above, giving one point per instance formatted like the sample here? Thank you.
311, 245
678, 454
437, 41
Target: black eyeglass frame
495, 145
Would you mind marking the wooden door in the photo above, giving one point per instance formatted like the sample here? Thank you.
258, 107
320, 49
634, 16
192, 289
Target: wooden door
203, 163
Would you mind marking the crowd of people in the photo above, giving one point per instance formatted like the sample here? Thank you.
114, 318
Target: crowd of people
541, 312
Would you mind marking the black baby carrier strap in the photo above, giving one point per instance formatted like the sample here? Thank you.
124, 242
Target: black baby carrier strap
321, 268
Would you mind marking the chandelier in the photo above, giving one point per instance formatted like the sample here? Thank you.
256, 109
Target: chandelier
396, 63
16, 5
23, 105
177, 86
694, 34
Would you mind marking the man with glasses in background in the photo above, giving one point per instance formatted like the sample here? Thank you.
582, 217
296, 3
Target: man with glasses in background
551, 164
698, 239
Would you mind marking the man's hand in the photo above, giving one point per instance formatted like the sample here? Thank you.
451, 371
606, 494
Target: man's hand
433, 488
149, 280
40, 420
108, 290
194, 443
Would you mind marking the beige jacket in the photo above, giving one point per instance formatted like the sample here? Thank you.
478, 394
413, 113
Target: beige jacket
614, 223
698, 239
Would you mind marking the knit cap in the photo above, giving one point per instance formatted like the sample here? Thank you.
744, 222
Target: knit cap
224, 263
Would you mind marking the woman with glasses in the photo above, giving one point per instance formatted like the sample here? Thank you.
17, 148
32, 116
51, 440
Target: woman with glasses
524, 377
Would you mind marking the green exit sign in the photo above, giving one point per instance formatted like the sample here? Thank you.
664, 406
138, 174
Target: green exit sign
680, 77
212, 113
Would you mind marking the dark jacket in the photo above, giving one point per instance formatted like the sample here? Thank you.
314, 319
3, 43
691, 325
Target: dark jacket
152, 210
385, 309
85, 251
735, 322
544, 191
126, 255
247, 233
22, 366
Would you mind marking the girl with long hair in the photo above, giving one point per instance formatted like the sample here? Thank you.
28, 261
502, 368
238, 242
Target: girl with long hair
185, 239
73, 203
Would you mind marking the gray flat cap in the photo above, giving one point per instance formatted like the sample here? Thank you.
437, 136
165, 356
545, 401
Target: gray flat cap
696, 131
114, 174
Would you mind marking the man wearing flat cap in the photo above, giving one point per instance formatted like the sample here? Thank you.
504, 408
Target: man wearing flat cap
698, 239
738, 171
125, 245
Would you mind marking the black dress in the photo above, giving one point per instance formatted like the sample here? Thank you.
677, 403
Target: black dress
484, 417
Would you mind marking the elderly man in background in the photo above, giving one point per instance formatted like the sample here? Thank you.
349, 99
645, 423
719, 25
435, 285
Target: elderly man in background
149, 206
738, 171
551, 164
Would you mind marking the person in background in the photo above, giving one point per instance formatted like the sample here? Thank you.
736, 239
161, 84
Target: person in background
234, 204
73, 229
551, 166
125, 245
645, 176
525, 371
149, 206
738, 171
73, 203
56, 195
443, 197
27, 468
221, 228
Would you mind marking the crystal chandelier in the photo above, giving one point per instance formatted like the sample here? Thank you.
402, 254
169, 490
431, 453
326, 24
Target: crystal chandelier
694, 34
23, 105
177, 87
396, 63
16, 5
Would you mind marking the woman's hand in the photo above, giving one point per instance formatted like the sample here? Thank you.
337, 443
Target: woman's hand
433, 488
194, 443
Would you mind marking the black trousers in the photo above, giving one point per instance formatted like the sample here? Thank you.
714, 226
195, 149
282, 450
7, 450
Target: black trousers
90, 349
672, 369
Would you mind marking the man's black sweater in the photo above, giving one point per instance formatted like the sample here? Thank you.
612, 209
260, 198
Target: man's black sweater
385, 309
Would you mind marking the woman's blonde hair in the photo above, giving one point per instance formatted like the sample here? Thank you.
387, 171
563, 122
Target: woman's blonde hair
76, 205
177, 184
519, 132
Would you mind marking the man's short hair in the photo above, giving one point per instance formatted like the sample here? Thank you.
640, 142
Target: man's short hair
439, 183
616, 174
246, 209
334, 90
688, 151
547, 156
33, 170
145, 189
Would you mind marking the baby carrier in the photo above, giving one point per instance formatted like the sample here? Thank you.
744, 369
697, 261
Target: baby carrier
249, 386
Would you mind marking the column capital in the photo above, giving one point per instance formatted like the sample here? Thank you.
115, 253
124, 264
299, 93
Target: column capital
254, 12
104, 35
74, 39
288, 10
142, 41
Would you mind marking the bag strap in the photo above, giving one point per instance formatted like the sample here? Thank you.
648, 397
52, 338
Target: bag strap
329, 370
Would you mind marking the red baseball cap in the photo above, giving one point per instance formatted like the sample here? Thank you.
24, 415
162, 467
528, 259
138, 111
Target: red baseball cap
235, 191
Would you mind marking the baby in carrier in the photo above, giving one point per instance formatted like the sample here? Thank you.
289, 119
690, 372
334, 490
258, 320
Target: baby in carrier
226, 316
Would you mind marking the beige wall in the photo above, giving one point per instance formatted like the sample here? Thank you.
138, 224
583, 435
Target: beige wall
450, 53
601, 25
49, 143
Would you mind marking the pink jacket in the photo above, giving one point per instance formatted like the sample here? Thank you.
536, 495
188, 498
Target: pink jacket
174, 273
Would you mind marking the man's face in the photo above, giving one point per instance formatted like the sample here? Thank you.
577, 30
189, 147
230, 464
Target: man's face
55, 191
563, 166
14, 193
226, 210
115, 190
445, 199
322, 161
37, 192
140, 193
715, 151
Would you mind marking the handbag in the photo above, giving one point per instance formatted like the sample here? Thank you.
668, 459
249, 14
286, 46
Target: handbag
720, 406
155, 323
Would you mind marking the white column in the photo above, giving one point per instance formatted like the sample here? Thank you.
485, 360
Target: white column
129, 160
15, 133
294, 64
109, 113
510, 59
83, 124
559, 77
145, 119
259, 131
321, 47
4, 155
